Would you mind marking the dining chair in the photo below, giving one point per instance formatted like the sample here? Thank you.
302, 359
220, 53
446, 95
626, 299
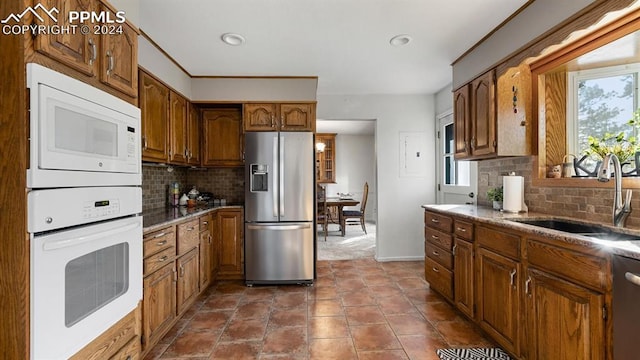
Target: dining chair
322, 217
352, 217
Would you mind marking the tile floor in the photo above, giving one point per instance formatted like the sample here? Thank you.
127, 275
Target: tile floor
357, 309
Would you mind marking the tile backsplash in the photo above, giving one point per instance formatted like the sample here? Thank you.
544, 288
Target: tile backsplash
592, 204
227, 183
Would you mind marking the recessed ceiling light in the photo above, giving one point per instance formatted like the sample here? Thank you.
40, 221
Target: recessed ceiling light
232, 39
400, 40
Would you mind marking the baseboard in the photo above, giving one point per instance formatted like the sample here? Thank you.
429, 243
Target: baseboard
399, 258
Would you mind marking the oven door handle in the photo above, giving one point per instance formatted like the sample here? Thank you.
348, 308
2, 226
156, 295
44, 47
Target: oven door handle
60, 244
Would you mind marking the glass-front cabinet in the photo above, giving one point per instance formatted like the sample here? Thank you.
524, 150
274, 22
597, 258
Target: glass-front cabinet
326, 158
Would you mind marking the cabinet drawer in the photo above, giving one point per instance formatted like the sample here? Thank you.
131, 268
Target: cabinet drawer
158, 260
443, 257
437, 221
113, 341
463, 229
438, 238
205, 221
188, 236
131, 351
439, 278
159, 240
504, 243
588, 270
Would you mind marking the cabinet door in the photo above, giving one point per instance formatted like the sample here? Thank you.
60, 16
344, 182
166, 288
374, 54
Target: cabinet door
297, 117
154, 106
119, 59
260, 117
159, 303
188, 279
193, 136
230, 228
565, 321
463, 276
205, 259
326, 159
483, 115
76, 50
178, 119
461, 122
223, 141
498, 298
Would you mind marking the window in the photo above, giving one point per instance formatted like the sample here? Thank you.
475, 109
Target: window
455, 172
600, 101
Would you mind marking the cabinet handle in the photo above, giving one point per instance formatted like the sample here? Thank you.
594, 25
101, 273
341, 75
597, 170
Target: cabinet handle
434, 237
526, 286
461, 229
175, 275
473, 143
205, 222
128, 357
159, 235
273, 120
144, 142
436, 253
170, 153
435, 221
160, 243
191, 228
632, 278
181, 271
94, 52
111, 62
163, 259
190, 154
453, 251
186, 153
512, 274
435, 270
209, 239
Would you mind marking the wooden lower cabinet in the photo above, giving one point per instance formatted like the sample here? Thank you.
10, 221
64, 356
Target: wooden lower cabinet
230, 229
206, 258
499, 298
159, 304
188, 285
463, 276
565, 320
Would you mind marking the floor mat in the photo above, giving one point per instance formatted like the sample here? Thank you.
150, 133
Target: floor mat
473, 354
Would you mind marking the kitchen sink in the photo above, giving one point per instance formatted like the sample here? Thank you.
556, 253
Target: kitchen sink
590, 230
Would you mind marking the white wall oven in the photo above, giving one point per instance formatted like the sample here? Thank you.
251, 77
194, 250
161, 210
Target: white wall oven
83, 207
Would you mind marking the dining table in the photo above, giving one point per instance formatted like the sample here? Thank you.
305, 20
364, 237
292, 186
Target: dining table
339, 203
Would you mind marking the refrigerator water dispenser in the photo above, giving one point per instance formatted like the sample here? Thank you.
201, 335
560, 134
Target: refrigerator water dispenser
259, 177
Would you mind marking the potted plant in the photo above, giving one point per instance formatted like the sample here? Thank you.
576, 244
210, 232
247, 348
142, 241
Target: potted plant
495, 195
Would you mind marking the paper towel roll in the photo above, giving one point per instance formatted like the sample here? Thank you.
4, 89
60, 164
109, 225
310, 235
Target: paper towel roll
513, 194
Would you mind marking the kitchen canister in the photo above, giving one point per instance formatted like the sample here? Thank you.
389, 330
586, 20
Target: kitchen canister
513, 198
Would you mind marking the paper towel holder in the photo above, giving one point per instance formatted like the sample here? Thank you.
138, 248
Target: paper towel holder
511, 204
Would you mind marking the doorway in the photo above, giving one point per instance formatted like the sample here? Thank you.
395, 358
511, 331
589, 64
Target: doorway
457, 180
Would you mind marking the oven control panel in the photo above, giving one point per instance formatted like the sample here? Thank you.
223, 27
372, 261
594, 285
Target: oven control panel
52, 209
101, 208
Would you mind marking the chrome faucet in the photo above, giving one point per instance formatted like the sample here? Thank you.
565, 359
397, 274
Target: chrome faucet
620, 211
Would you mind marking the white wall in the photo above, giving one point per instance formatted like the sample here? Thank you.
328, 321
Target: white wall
150, 58
355, 165
400, 217
444, 100
254, 89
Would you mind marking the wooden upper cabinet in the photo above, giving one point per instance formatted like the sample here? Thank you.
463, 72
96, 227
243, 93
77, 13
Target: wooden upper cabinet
462, 122
78, 51
297, 117
193, 136
279, 117
222, 137
154, 106
119, 59
483, 112
326, 159
178, 120
260, 117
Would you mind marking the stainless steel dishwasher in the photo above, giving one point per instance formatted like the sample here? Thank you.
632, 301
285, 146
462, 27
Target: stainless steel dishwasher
626, 307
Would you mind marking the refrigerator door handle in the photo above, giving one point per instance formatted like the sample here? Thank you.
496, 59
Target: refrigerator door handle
281, 175
279, 227
274, 189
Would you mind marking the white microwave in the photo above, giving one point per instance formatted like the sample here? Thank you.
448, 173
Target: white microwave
80, 135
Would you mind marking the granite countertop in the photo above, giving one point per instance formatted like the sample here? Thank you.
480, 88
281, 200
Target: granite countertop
157, 218
489, 216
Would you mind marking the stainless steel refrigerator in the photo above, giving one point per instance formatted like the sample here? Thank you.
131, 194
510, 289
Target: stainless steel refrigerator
279, 208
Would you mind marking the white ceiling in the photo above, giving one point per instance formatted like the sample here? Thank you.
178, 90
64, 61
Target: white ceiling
345, 43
